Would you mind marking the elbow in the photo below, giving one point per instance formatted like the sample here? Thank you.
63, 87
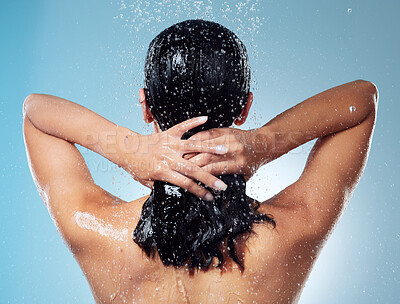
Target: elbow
27, 103
370, 91
375, 92
373, 95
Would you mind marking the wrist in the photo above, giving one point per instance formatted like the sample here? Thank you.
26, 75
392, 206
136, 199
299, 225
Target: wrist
259, 145
264, 143
127, 147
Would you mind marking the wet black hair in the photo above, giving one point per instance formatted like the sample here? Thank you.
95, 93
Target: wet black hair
196, 68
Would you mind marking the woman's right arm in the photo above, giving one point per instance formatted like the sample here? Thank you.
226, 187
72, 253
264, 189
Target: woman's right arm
343, 120
332, 111
326, 113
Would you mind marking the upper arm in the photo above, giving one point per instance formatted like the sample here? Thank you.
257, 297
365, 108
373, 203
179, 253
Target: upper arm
61, 177
333, 170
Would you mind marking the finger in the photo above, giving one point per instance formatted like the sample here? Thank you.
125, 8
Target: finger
206, 145
220, 140
144, 182
223, 167
194, 172
181, 128
209, 134
204, 159
149, 184
189, 155
188, 184
191, 146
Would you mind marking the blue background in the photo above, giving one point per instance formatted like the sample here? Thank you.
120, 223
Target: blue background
92, 52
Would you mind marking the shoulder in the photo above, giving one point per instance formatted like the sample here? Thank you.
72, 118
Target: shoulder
100, 219
294, 220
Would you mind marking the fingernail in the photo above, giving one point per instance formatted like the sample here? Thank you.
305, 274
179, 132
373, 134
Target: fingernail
220, 185
203, 118
221, 149
209, 197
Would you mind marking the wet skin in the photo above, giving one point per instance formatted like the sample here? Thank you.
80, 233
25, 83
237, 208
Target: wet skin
276, 261
97, 226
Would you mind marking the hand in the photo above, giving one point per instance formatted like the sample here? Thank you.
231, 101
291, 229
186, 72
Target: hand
246, 151
160, 157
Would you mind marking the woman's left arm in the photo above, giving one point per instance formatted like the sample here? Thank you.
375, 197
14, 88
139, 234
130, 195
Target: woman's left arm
53, 125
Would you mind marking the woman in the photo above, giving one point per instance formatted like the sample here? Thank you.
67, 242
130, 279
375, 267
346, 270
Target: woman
198, 238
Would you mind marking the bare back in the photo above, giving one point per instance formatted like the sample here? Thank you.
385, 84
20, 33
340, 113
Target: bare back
276, 261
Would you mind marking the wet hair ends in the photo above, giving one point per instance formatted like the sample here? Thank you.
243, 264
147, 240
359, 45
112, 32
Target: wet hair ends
182, 227
196, 68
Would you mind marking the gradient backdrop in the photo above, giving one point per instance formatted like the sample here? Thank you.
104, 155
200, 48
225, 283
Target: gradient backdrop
92, 52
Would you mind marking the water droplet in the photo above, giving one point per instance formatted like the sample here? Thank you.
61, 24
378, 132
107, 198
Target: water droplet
352, 108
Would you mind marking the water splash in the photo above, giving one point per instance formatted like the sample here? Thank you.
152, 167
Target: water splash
143, 20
